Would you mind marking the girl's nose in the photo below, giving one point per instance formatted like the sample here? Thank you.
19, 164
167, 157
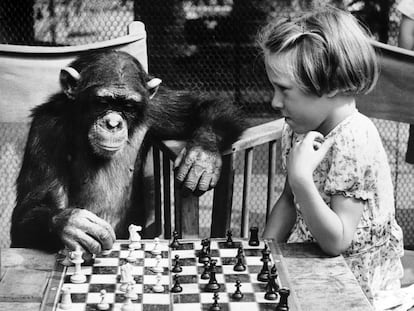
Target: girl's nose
277, 102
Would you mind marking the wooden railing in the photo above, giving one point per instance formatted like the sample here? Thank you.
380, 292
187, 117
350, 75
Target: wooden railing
186, 206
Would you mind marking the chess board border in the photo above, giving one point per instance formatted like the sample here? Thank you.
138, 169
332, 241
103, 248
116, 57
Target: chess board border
51, 299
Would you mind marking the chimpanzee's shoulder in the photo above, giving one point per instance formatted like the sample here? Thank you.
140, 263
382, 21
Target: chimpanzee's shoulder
57, 107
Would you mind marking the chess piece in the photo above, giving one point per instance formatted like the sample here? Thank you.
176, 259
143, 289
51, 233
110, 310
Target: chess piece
103, 305
177, 268
254, 236
158, 268
239, 266
126, 276
131, 256
204, 254
283, 302
156, 249
76, 258
66, 261
215, 306
106, 252
270, 291
134, 236
263, 275
66, 300
229, 241
177, 286
158, 287
128, 305
212, 284
206, 273
174, 243
273, 276
237, 295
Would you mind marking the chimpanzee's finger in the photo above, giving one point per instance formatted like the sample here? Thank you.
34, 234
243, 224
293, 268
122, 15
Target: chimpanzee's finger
204, 182
186, 166
193, 177
108, 233
179, 158
90, 243
216, 173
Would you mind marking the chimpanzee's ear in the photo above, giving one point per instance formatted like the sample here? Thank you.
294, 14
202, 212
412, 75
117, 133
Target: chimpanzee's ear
69, 78
153, 85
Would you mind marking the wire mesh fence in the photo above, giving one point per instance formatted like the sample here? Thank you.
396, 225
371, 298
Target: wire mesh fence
206, 45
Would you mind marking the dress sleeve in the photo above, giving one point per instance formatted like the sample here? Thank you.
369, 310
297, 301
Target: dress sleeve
352, 171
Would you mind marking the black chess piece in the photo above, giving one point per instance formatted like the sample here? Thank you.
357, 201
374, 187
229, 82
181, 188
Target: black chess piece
239, 266
254, 236
177, 268
270, 291
204, 254
175, 243
212, 284
283, 302
215, 306
205, 275
229, 241
177, 286
263, 275
237, 295
273, 275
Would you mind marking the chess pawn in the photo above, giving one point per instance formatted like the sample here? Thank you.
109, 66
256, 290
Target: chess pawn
283, 302
158, 268
237, 295
76, 258
131, 290
158, 287
66, 300
103, 305
229, 241
206, 273
177, 268
215, 306
156, 249
174, 243
66, 261
131, 256
176, 287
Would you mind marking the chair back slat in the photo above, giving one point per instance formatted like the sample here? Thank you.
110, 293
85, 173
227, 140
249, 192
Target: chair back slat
271, 176
247, 180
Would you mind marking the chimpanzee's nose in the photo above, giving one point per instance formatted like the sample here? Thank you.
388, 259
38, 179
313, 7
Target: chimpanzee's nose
113, 121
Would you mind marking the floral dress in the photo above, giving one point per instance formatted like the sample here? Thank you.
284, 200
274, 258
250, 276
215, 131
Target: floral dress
356, 166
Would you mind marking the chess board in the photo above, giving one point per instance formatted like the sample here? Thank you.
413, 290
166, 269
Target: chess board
104, 273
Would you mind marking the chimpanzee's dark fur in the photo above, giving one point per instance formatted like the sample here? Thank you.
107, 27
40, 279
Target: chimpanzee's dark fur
60, 172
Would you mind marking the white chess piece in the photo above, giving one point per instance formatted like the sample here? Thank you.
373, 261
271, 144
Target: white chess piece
66, 261
76, 258
103, 304
131, 256
134, 236
129, 295
158, 288
126, 276
156, 249
66, 300
158, 268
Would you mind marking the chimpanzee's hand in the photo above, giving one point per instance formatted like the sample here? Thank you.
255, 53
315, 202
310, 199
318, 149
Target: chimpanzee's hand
79, 227
198, 169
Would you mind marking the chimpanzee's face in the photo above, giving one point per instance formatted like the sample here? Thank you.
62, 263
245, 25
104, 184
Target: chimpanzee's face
111, 94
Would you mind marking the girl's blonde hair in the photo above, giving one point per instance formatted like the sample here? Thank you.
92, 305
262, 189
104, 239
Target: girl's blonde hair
327, 51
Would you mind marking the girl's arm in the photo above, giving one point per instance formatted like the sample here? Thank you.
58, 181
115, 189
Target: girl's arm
282, 218
333, 228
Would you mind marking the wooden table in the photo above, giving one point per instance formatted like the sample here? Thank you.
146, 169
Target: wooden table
318, 281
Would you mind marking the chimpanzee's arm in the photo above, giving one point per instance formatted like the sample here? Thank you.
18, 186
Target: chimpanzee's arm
209, 125
206, 121
41, 191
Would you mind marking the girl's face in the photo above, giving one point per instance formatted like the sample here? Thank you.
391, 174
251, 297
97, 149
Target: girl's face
303, 112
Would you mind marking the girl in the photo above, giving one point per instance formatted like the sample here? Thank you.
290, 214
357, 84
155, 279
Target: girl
338, 190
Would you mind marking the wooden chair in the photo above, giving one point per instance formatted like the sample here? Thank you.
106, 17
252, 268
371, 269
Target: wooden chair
29, 75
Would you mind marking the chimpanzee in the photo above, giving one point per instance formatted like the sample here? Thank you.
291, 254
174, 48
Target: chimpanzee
81, 182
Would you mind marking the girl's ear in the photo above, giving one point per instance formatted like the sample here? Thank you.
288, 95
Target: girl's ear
69, 78
153, 85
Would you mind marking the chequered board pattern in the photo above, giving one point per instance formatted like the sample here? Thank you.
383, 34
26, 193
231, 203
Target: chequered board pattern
194, 297
105, 274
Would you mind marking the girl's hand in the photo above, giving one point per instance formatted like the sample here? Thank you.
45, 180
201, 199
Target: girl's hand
305, 156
